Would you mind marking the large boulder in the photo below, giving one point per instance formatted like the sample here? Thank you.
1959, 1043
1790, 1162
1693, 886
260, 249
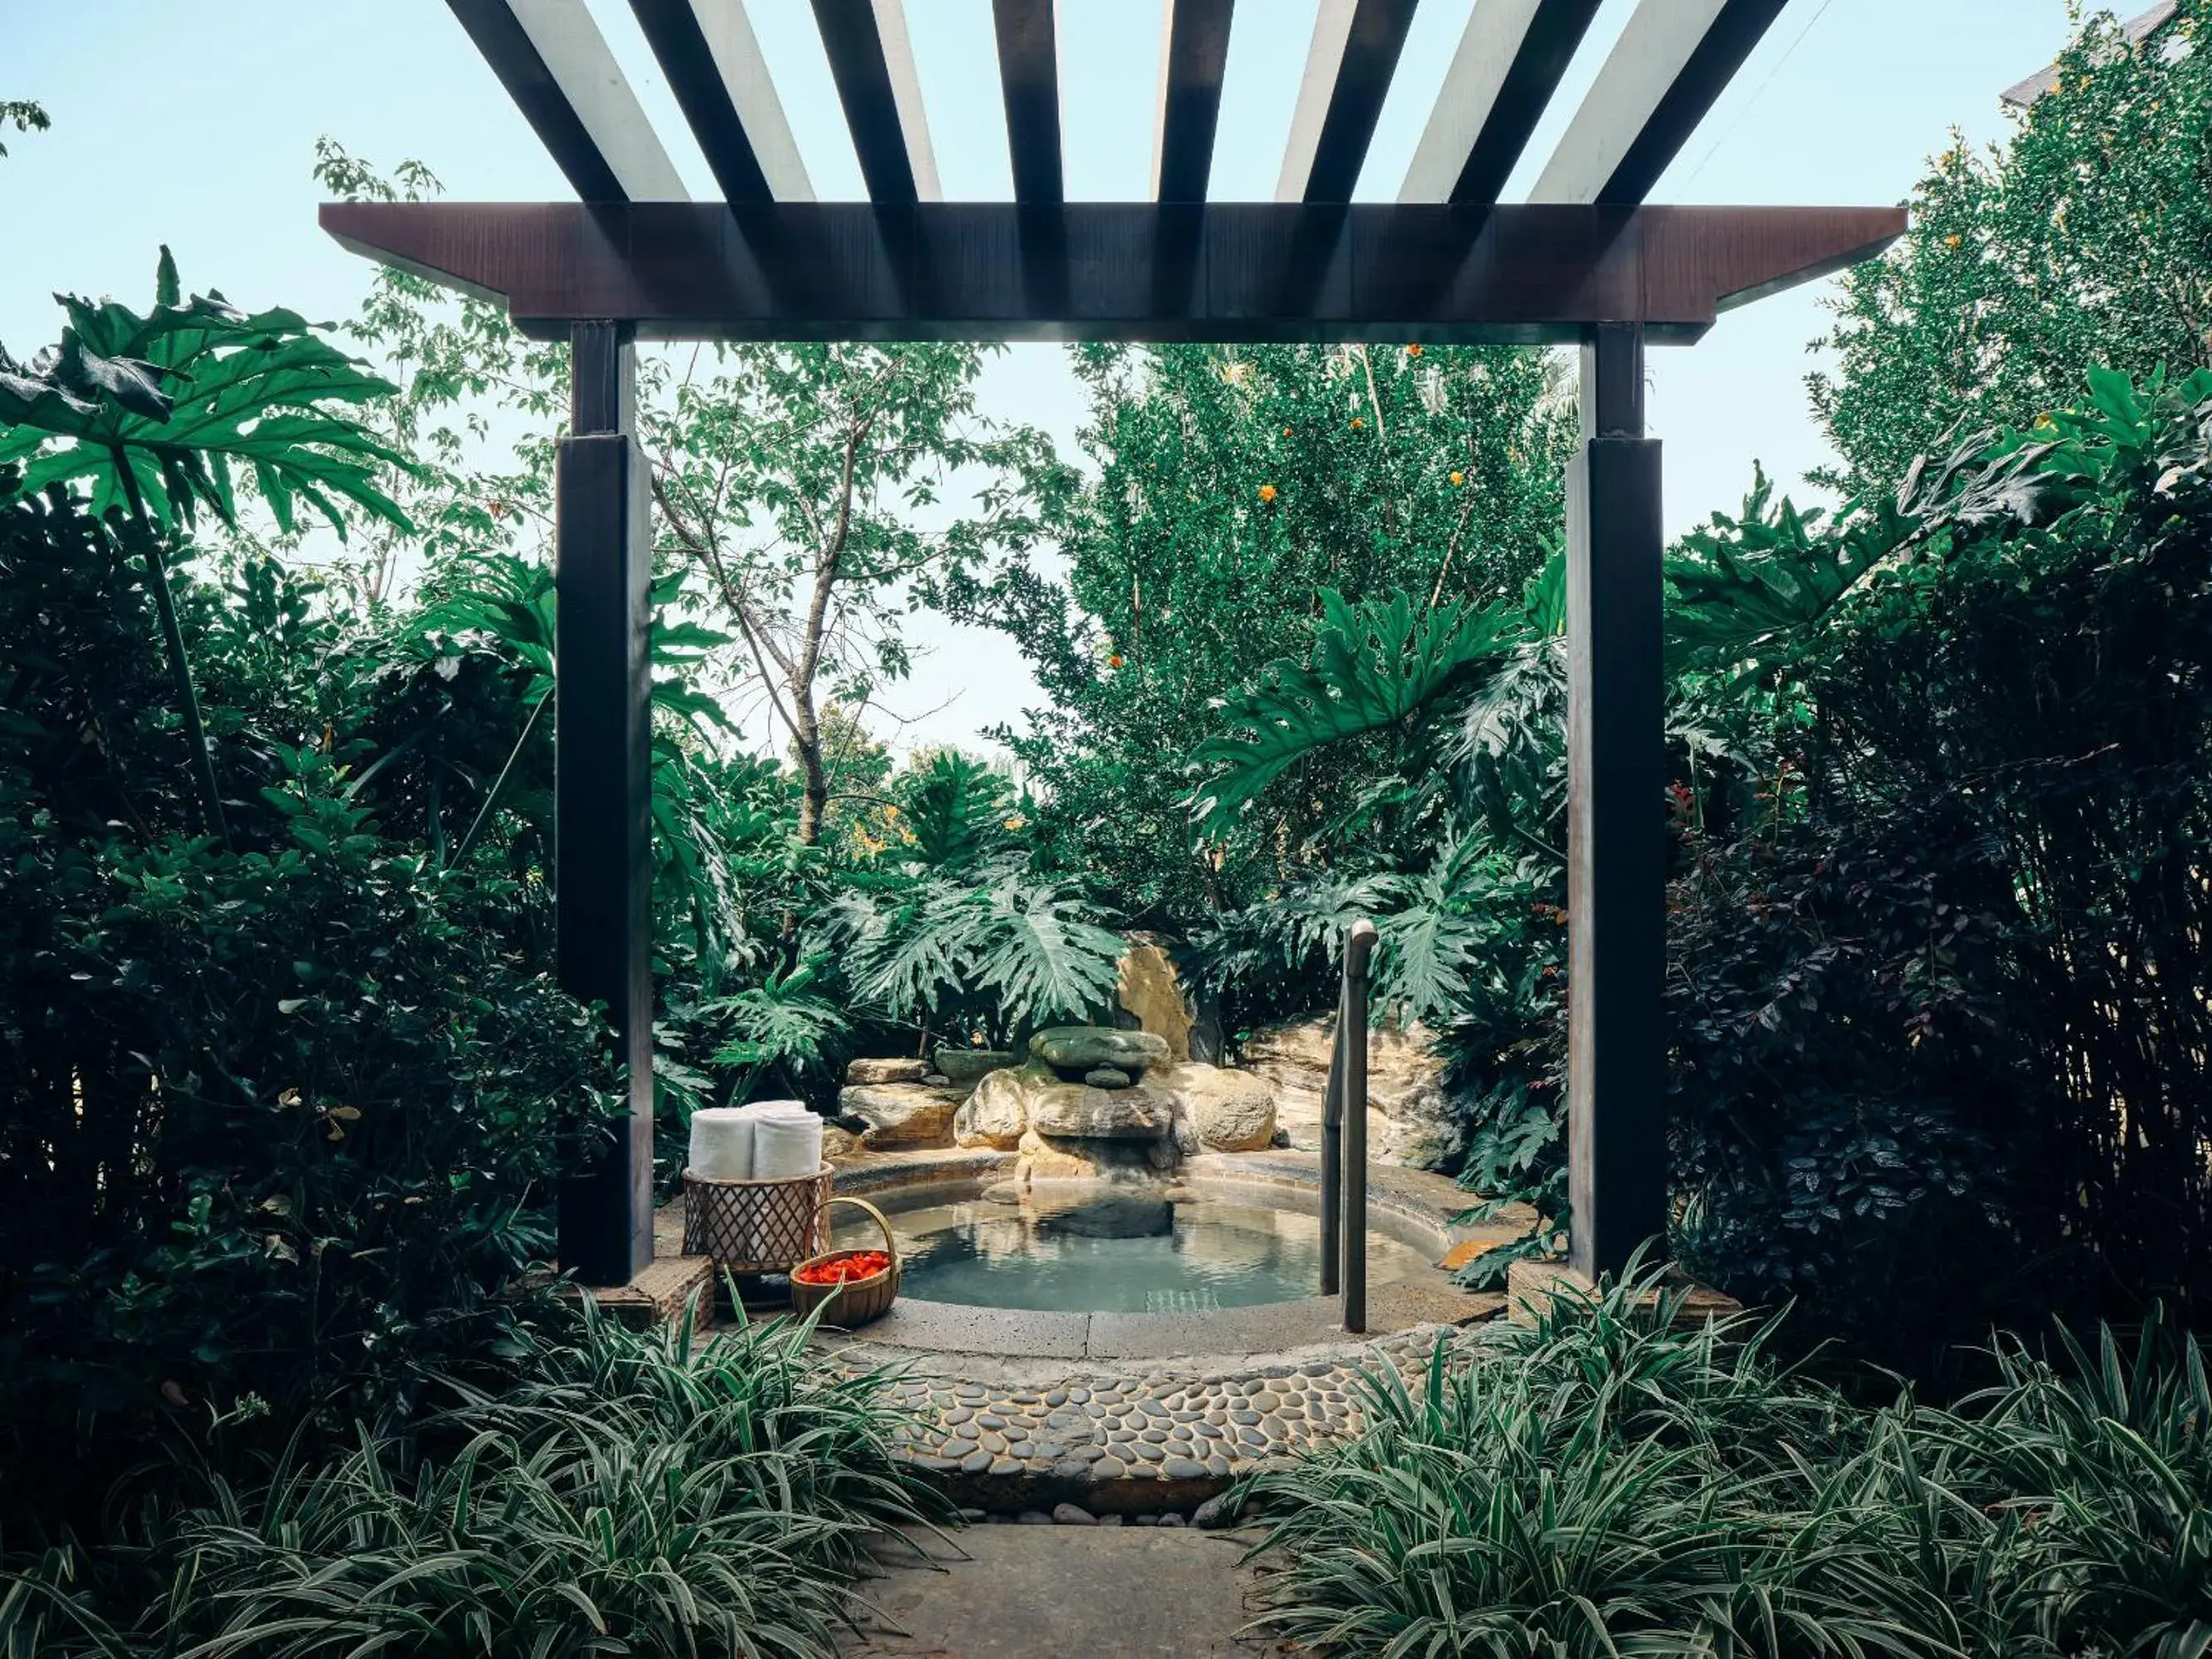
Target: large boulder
1077, 1111
1080, 1048
1051, 1158
901, 1115
1227, 1111
995, 1114
1151, 991
885, 1070
1411, 1118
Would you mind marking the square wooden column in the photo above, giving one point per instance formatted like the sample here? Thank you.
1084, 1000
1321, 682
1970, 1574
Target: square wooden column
603, 786
1616, 846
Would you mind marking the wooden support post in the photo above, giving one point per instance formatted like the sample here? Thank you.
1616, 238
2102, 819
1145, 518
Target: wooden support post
603, 758
1616, 848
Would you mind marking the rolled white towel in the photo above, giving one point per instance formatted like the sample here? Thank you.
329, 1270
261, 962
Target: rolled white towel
722, 1143
786, 1145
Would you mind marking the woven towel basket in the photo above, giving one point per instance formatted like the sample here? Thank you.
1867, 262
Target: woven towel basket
756, 1226
857, 1301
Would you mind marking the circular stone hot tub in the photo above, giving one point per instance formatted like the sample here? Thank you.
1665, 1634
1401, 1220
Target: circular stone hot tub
1187, 1246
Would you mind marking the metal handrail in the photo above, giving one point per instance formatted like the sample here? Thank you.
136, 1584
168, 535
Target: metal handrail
1344, 1138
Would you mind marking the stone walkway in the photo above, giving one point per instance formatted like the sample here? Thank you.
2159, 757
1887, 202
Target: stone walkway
1159, 1438
1016, 1592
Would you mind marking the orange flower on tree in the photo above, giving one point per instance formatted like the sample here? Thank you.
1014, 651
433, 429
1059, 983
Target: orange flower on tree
1357, 422
1412, 351
1114, 661
1267, 492
1458, 478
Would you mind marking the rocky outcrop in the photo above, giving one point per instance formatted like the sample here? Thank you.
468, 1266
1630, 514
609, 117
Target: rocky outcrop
1227, 1111
1072, 1050
1152, 993
1052, 1158
885, 1070
1076, 1110
901, 1115
1411, 1118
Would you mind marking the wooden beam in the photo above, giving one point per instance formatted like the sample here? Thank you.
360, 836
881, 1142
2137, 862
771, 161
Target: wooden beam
872, 64
1616, 835
1193, 56
713, 65
554, 64
1348, 68
1257, 272
1500, 81
603, 786
1029, 78
1669, 65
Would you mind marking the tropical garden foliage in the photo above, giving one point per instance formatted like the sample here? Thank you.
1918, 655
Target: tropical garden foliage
283, 1072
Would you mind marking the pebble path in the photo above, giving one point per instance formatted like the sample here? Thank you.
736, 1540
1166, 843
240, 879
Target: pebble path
1137, 1442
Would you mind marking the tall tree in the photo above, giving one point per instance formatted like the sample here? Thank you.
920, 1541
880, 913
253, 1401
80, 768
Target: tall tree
795, 481
1232, 485
2085, 240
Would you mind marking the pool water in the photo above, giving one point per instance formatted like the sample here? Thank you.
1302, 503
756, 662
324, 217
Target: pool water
1111, 1249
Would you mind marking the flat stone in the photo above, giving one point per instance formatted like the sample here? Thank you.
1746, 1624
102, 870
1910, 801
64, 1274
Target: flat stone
1108, 1077
958, 1449
1005, 1465
975, 1463
1071, 1515
968, 1066
885, 1070
1080, 1047
901, 1115
1185, 1469
1110, 1468
1035, 1518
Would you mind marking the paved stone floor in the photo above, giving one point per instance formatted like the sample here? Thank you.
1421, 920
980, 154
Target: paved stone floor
1162, 1436
1015, 1592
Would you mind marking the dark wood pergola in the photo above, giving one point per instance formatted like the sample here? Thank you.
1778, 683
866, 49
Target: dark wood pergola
1584, 261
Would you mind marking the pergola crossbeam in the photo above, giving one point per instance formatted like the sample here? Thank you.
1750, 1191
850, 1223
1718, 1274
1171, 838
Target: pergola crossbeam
713, 61
871, 60
1193, 57
1675, 59
1502, 77
555, 66
1354, 54
1002, 270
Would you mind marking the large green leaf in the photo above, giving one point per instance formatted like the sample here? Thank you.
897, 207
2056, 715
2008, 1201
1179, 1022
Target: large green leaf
187, 396
1374, 665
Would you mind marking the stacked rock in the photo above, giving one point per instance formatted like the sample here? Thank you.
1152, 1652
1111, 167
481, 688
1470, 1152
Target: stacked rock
1100, 1055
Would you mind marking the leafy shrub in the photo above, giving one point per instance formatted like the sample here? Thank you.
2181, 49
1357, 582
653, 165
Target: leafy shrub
1610, 1482
276, 1118
646, 1494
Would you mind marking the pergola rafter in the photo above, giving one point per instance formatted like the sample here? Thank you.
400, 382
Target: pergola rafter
1583, 261
708, 50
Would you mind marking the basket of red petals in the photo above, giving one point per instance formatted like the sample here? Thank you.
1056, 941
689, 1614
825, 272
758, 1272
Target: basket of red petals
851, 1287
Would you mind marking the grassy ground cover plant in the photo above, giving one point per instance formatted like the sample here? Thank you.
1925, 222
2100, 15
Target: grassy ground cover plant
623, 1493
1609, 1482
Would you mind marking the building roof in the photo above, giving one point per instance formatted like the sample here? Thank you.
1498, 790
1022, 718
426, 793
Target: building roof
2021, 94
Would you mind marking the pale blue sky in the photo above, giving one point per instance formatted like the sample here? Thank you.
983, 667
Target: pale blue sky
194, 125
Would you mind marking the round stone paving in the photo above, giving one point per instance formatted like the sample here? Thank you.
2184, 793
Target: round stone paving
1138, 1437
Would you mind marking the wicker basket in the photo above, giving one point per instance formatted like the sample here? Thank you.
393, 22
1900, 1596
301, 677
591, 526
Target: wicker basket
856, 1301
756, 1226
